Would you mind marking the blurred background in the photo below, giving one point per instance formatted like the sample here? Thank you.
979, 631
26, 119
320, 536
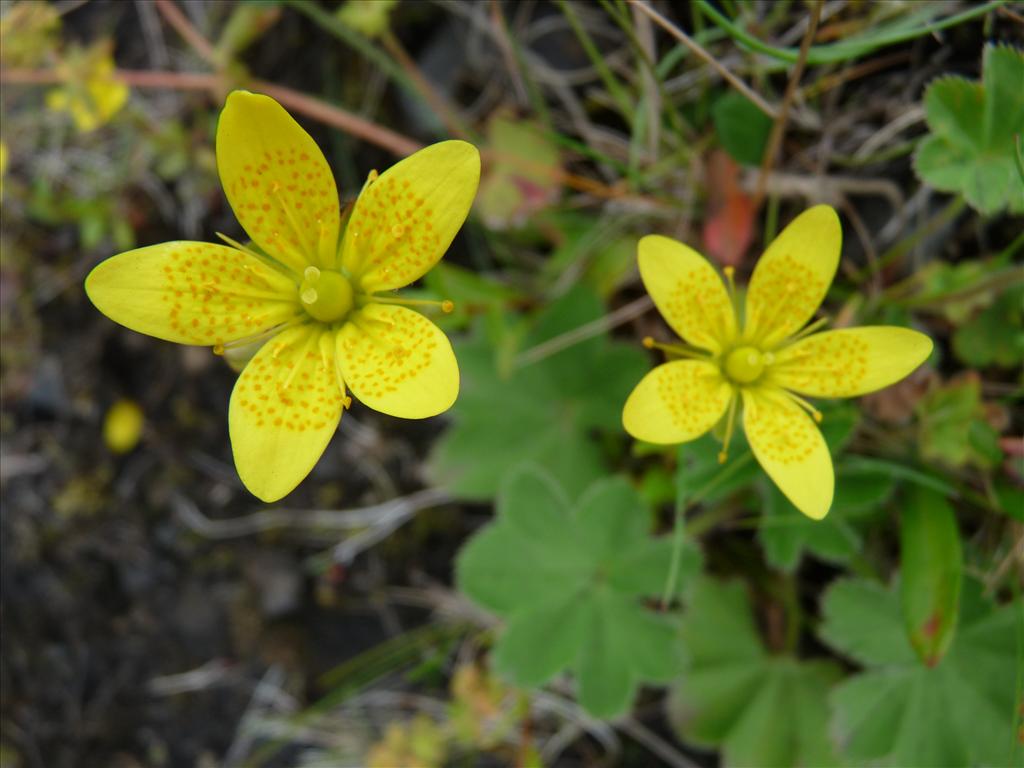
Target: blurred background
156, 614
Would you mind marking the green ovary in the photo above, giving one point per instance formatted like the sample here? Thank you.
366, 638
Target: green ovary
744, 365
326, 295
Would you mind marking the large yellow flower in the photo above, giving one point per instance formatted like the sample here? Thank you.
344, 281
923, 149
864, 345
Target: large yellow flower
764, 360
320, 304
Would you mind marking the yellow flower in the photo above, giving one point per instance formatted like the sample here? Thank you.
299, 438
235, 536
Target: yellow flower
763, 361
319, 297
91, 96
123, 425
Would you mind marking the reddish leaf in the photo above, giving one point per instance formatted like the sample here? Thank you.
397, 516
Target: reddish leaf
729, 228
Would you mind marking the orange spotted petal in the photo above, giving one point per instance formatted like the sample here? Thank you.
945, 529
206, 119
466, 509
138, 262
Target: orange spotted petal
676, 402
851, 361
193, 293
278, 182
404, 221
789, 446
688, 292
792, 277
284, 409
398, 362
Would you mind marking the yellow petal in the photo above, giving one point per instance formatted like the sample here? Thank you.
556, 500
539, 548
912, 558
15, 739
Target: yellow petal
850, 362
192, 293
404, 221
284, 409
676, 402
789, 446
792, 277
278, 182
688, 292
398, 362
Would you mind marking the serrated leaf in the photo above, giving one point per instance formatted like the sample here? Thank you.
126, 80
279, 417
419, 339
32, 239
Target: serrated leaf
760, 709
995, 336
900, 712
544, 412
947, 419
570, 591
973, 129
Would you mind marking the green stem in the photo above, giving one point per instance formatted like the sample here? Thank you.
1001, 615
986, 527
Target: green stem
839, 52
678, 538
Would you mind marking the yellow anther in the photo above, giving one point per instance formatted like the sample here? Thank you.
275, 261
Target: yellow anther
312, 274
447, 306
218, 349
309, 296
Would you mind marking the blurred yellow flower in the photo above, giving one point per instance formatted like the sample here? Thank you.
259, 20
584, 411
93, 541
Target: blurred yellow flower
766, 361
318, 299
90, 94
370, 17
122, 426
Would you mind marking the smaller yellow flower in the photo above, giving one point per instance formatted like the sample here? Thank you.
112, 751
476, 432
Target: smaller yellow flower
314, 297
762, 360
123, 425
90, 95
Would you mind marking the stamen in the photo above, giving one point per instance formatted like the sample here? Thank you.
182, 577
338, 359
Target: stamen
730, 274
220, 349
273, 263
446, 305
808, 330
312, 274
730, 423
683, 350
806, 406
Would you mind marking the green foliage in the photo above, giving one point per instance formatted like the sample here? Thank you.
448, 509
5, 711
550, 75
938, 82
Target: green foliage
567, 579
543, 412
931, 559
786, 534
758, 708
971, 147
953, 430
901, 712
995, 336
524, 176
741, 127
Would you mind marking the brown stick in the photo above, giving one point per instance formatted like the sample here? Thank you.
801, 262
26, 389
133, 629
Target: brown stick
779, 127
302, 103
185, 28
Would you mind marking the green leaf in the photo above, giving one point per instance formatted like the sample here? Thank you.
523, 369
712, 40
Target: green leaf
952, 426
973, 128
570, 590
741, 127
786, 534
759, 709
995, 336
931, 559
524, 175
543, 412
900, 712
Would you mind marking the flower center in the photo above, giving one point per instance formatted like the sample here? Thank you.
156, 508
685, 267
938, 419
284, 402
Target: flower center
744, 365
325, 294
